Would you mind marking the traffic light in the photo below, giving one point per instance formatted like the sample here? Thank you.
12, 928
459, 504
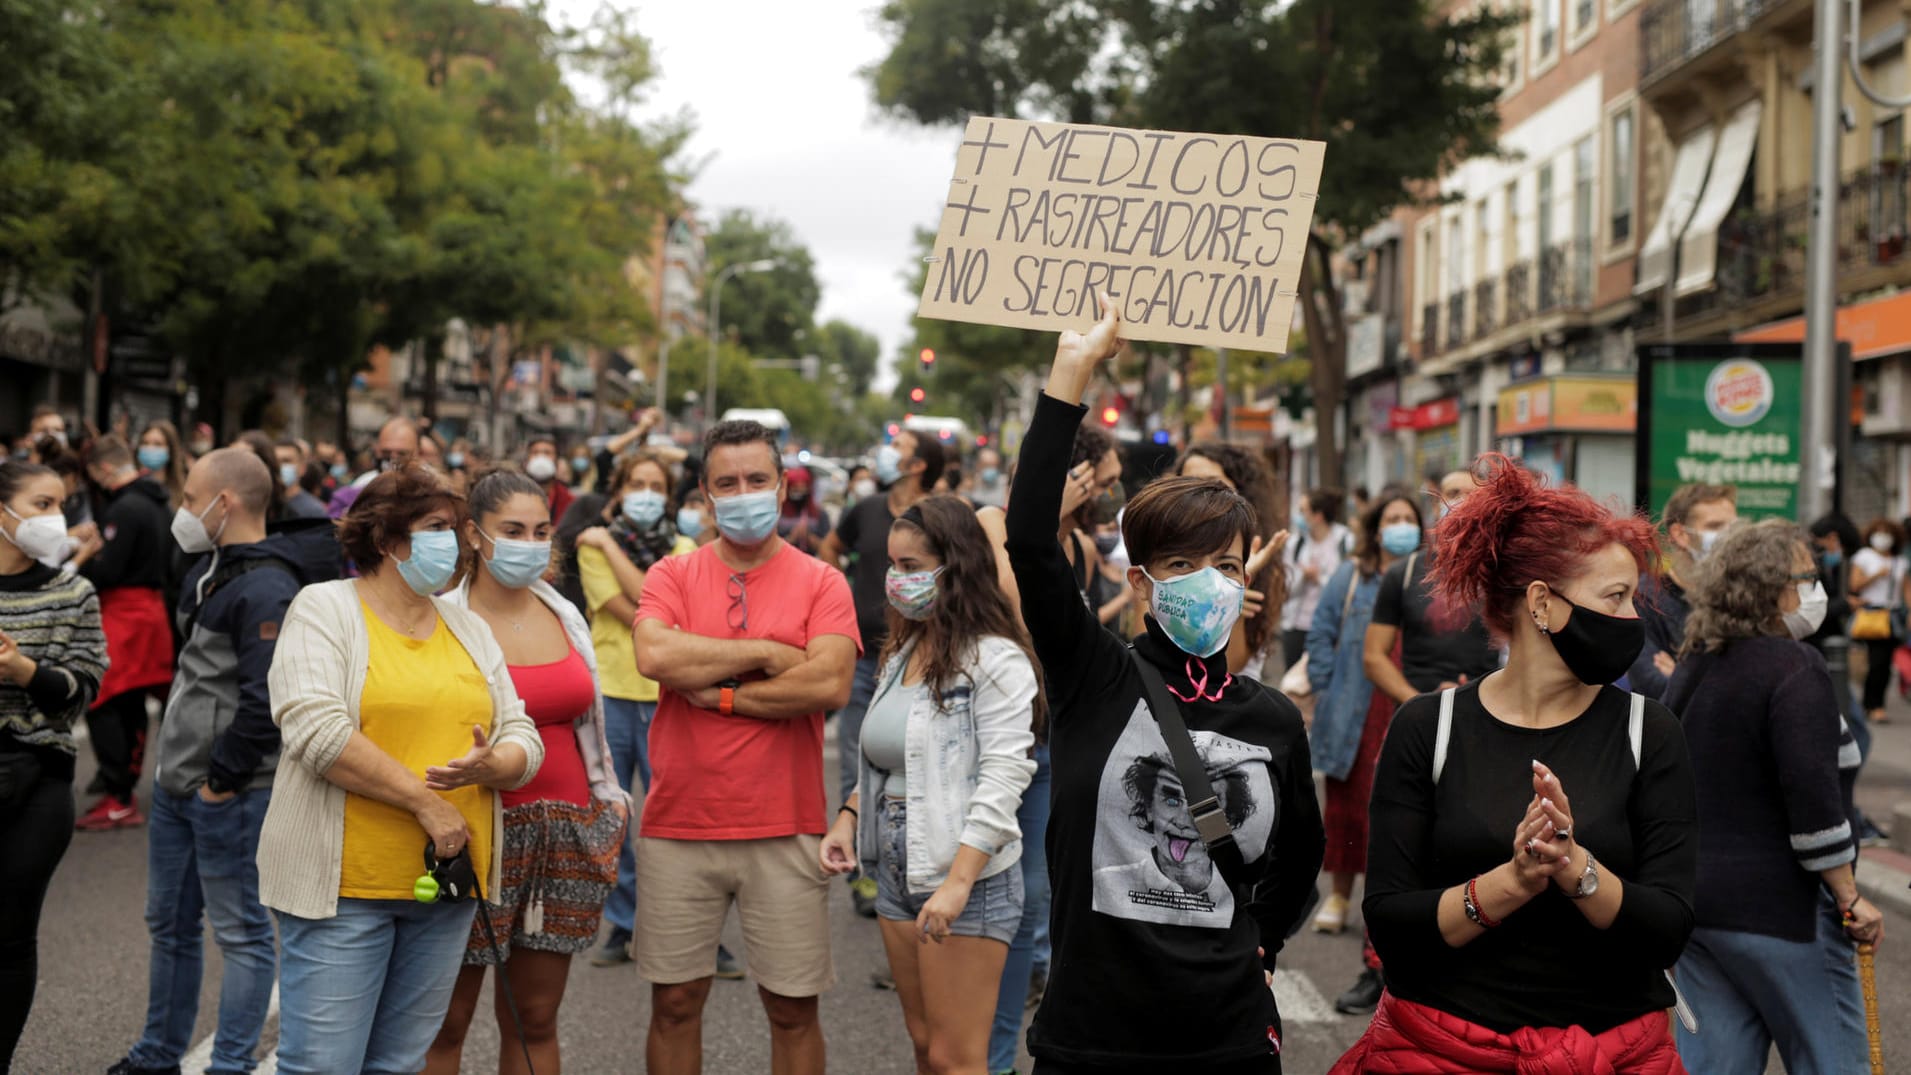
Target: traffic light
982, 440
928, 357
894, 429
916, 395
1110, 416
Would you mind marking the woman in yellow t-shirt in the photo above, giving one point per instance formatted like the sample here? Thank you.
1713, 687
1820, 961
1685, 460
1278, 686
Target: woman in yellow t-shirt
400, 725
639, 530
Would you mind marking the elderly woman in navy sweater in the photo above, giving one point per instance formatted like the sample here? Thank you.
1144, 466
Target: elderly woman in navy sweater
1775, 884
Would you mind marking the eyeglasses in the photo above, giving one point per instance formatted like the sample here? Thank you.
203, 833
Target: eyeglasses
738, 616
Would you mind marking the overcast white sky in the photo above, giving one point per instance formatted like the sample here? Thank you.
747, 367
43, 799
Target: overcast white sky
785, 126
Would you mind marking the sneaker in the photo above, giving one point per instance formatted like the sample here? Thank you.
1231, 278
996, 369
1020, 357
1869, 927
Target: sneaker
882, 979
1332, 917
1869, 835
616, 949
127, 1067
727, 966
109, 814
1361, 997
862, 894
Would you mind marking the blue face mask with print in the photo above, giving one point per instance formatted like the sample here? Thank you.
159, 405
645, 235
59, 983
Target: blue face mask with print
434, 559
689, 522
1399, 539
644, 507
747, 518
1197, 611
517, 564
153, 458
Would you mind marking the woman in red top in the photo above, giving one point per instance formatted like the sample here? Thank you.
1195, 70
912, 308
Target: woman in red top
562, 831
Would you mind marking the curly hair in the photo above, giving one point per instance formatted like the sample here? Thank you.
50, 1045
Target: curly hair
384, 512
1734, 592
1145, 771
1514, 529
969, 604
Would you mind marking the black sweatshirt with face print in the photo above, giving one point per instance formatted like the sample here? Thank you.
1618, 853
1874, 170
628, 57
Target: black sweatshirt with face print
1154, 954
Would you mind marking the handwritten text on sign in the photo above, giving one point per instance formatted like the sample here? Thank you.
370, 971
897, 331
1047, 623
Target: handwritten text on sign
1198, 238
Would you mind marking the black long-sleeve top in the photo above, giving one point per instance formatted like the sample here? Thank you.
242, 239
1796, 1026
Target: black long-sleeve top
1772, 797
1154, 955
1545, 965
137, 529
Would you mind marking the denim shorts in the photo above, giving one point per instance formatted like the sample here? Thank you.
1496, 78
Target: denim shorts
995, 903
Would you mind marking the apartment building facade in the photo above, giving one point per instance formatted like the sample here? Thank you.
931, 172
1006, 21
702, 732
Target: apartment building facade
1730, 83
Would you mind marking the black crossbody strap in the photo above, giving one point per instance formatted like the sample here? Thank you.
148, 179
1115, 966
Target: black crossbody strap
1210, 820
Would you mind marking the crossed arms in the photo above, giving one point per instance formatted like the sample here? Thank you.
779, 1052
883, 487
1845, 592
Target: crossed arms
797, 682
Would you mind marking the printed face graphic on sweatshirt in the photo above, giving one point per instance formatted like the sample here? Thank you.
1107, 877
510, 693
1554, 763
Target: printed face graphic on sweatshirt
1150, 864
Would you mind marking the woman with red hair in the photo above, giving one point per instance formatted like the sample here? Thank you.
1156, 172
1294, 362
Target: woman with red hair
1534, 836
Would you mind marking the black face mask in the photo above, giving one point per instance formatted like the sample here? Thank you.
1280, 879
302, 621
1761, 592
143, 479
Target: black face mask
1598, 648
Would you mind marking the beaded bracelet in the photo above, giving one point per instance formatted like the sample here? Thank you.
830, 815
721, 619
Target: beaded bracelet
1470, 900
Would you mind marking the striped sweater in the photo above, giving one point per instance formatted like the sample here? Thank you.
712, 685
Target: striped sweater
55, 620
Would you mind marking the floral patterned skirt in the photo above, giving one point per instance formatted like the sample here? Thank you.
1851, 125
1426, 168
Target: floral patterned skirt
560, 863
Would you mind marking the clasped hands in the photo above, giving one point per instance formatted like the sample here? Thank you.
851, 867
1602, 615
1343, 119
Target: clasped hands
1544, 850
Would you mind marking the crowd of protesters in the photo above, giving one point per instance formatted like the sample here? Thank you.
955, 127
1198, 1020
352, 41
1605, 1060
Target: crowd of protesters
424, 711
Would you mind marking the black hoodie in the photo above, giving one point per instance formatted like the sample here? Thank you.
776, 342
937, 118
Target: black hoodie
137, 529
1154, 956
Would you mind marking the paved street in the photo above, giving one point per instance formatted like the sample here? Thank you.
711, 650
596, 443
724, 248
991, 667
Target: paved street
93, 983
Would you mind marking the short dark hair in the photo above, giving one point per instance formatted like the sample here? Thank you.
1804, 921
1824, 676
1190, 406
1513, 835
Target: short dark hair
1326, 502
540, 438
494, 487
737, 432
110, 450
1185, 517
14, 473
387, 507
934, 459
1678, 506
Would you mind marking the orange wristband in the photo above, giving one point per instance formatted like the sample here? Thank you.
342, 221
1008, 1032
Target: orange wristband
726, 701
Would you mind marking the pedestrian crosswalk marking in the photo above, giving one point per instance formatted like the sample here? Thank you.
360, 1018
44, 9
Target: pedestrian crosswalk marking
1299, 1000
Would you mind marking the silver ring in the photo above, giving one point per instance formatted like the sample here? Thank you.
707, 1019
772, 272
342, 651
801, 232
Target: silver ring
1563, 834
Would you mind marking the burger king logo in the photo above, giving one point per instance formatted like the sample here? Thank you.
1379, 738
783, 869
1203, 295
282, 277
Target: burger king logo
1738, 392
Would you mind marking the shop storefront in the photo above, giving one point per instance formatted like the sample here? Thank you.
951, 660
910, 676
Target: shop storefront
1436, 435
1574, 428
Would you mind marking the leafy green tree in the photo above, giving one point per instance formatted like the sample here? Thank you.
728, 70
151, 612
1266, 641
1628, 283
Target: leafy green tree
845, 347
1398, 90
770, 313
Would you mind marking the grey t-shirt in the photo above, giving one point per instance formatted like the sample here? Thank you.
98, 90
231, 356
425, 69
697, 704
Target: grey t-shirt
885, 728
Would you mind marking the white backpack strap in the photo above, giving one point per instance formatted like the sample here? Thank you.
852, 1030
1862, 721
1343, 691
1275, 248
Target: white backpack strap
1636, 730
1444, 733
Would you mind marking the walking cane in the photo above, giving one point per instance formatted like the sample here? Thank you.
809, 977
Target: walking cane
1868, 980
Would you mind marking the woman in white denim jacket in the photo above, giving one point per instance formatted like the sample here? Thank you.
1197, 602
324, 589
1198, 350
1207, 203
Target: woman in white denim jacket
946, 754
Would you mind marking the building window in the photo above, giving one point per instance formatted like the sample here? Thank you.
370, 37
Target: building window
1585, 15
1510, 239
1545, 33
1426, 270
1621, 177
1545, 212
1585, 170
1456, 252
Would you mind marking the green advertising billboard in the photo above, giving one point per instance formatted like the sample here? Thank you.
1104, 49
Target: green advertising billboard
1722, 414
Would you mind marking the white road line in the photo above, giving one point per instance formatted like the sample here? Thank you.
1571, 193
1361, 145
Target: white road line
1299, 1000
195, 1061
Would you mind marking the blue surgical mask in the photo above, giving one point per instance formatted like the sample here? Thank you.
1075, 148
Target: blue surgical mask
888, 464
643, 508
434, 560
1299, 523
1833, 559
340, 470
1399, 539
911, 593
153, 458
454, 460
579, 464
288, 474
747, 518
689, 522
1197, 611
991, 475
517, 564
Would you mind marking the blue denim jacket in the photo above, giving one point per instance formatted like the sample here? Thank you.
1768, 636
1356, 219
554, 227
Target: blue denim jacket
1334, 650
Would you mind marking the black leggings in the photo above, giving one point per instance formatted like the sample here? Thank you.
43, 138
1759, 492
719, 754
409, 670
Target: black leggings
1878, 670
118, 730
34, 832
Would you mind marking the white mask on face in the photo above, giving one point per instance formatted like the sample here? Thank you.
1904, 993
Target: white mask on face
1804, 621
39, 537
1708, 540
541, 468
1881, 541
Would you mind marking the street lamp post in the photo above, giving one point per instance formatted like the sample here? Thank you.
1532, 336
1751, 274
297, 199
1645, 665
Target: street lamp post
715, 329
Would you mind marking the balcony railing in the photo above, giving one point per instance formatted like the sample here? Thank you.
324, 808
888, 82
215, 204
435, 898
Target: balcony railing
1519, 291
1429, 329
1565, 277
1486, 307
1674, 31
1762, 253
1456, 318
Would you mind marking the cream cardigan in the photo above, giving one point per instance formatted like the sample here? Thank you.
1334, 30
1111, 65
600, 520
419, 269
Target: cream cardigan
318, 674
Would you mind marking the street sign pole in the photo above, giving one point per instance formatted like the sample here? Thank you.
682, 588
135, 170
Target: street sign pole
1819, 453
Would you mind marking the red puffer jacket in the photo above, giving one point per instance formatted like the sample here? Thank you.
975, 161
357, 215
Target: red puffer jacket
1413, 1039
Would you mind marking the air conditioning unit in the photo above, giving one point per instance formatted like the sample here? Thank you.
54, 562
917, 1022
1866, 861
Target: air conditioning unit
1884, 386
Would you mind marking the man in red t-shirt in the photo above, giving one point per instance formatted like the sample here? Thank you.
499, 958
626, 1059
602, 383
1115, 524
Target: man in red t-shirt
751, 642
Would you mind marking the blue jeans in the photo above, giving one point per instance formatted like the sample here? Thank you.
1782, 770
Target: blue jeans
199, 862
1029, 949
366, 990
849, 723
1751, 991
994, 910
627, 730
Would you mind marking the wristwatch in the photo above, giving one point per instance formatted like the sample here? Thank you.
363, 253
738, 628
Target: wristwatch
727, 697
1588, 879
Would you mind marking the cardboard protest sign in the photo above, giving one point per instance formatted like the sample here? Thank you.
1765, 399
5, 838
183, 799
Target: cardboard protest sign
1197, 238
